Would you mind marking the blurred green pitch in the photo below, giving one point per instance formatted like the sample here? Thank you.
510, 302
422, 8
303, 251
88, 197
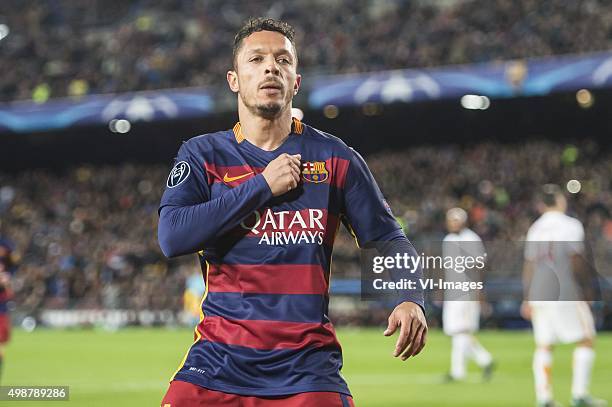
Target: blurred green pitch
131, 368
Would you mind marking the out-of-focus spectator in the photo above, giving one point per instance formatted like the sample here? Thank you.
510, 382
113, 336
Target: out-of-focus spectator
88, 235
69, 47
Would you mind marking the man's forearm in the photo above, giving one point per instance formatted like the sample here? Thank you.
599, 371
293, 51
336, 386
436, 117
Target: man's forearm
527, 276
397, 243
187, 229
583, 278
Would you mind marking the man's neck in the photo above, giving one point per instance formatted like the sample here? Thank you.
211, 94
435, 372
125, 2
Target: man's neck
267, 134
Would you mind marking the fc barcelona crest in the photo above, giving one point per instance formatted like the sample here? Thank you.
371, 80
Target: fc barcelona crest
315, 171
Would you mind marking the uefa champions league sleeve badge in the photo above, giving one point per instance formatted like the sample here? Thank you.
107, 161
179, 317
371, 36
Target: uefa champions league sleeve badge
179, 174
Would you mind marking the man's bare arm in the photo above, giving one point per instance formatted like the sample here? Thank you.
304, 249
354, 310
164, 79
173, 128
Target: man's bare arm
527, 277
582, 276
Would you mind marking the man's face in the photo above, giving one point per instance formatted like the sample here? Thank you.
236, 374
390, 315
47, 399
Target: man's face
453, 225
265, 76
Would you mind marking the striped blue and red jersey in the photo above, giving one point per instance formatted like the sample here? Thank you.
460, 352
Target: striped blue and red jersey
5, 296
264, 327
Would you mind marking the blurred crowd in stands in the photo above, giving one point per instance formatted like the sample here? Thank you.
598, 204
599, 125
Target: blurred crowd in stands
73, 48
86, 238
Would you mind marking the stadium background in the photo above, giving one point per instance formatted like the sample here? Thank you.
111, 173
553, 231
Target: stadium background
98, 308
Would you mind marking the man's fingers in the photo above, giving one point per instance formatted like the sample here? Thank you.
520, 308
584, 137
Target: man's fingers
402, 340
423, 341
292, 179
291, 184
296, 177
283, 173
410, 348
409, 338
294, 159
413, 330
295, 168
292, 169
415, 343
391, 327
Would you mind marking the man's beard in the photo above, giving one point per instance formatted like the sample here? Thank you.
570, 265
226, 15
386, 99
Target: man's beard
268, 111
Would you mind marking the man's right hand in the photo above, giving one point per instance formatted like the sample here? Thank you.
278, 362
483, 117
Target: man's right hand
283, 173
526, 310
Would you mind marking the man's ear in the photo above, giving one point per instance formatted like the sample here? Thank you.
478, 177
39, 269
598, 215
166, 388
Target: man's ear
296, 85
232, 81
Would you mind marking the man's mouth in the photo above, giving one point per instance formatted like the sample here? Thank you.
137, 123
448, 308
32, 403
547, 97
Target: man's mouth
271, 86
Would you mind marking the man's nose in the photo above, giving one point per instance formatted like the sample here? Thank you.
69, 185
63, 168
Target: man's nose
272, 67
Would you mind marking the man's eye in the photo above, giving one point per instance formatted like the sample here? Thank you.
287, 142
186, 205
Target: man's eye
283, 60
255, 59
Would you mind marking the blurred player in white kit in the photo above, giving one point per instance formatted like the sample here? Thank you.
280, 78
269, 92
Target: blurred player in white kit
555, 289
461, 314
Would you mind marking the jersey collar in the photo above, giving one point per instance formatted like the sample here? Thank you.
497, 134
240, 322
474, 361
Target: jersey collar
296, 127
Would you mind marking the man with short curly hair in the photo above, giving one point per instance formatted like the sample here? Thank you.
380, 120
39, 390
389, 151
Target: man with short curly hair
261, 204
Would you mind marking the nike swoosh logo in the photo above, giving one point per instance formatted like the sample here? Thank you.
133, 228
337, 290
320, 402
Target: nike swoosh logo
230, 179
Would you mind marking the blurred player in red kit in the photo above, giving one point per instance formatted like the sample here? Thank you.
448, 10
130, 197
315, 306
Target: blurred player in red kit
7, 267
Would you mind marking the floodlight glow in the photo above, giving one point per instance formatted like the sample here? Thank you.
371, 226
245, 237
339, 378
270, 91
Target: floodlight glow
475, 102
573, 186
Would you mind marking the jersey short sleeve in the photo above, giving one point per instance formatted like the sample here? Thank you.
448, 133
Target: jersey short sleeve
365, 208
530, 251
567, 233
576, 237
473, 245
187, 183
